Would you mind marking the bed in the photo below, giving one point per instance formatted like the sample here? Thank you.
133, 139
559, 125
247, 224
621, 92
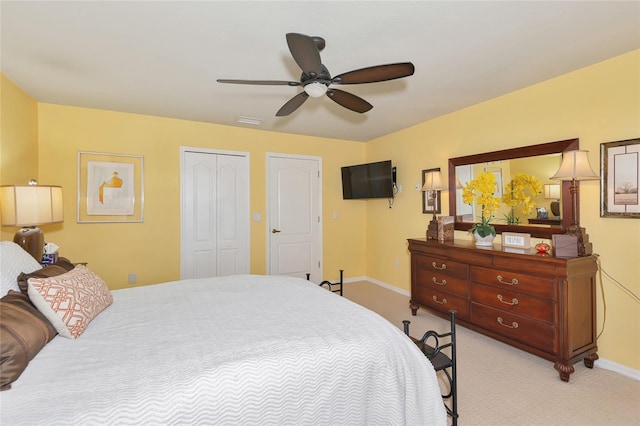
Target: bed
243, 349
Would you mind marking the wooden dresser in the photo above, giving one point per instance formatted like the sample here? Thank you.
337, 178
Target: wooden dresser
543, 305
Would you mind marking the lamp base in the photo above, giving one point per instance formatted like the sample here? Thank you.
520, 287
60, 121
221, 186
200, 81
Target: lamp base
585, 248
432, 230
31, 240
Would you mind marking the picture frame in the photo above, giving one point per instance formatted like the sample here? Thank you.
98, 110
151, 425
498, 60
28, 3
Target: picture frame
497, 172
427, 198
620, 179
110, 188
516, 240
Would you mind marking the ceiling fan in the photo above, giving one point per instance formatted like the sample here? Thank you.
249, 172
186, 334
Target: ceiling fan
316, 79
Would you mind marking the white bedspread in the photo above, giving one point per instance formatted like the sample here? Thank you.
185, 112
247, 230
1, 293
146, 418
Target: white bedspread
248, 349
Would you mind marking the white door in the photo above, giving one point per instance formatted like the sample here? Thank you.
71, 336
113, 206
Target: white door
294, 213
215, 214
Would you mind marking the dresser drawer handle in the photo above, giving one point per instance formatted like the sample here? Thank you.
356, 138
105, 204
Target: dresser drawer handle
514, 281
442, 267
443, 302
443, 282
514, 301
513, 324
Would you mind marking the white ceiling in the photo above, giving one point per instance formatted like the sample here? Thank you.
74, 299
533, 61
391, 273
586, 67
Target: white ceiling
163, 58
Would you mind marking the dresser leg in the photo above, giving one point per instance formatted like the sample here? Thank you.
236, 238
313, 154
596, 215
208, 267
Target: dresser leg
564, 370
414, 308
589, 360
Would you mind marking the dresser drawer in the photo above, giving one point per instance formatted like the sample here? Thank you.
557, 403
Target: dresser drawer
441, 282
515, 327
442, 266
440, 301
530, 284
513, 302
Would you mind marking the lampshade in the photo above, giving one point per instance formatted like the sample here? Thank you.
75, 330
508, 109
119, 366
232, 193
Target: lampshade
30, 205
575, 166
315, 90
552, 191
433, 181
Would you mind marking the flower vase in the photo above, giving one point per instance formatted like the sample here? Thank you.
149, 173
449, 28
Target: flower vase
483, 241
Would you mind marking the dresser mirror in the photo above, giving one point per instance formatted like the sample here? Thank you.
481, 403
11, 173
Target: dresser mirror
541, 161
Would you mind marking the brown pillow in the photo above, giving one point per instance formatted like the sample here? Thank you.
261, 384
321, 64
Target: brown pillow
24, 331
60, 267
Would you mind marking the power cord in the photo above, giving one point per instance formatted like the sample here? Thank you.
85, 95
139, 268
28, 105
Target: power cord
395, 192
601, 271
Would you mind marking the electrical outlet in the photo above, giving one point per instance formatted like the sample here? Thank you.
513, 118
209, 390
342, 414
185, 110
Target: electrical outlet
133, 278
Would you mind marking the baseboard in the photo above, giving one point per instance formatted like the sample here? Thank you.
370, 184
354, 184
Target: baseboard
600, 363
385, 285
618, 368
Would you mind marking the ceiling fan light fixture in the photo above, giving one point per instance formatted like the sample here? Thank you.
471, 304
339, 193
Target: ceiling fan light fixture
315, 90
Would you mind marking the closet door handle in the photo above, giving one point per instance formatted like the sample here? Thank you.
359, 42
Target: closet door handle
275, 231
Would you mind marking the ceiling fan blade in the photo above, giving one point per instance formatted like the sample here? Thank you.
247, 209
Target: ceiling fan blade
292, 104
349, 100
375, 74
305, 52
260, 82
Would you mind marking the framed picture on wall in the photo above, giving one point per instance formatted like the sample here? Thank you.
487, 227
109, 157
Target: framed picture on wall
497, 172
620, 178
110, 187
428, 205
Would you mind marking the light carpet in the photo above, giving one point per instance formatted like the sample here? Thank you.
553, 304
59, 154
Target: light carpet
502, 385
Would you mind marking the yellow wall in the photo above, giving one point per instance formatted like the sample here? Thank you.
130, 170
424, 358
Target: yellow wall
18, 135
597, 104
152, 249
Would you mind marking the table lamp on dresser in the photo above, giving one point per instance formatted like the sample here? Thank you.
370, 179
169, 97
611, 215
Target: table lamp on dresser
575, 167
433, 184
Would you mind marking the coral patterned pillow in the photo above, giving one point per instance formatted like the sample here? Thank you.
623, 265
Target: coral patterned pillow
70, 301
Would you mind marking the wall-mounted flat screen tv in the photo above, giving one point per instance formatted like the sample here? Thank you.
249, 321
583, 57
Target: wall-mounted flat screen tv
371, 180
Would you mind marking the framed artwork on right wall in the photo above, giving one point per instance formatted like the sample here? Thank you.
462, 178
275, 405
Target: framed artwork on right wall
620, 178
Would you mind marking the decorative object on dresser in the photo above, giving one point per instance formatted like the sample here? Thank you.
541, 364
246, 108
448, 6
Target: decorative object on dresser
29, 206
575, 167
619, 177
516, 240
541, 304
482, 191
432, 185
432, 348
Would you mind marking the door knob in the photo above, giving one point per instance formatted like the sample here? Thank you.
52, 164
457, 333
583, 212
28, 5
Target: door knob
275, 231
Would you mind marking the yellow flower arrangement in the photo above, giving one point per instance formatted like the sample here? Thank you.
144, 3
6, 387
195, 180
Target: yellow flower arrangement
482, 189
516, 194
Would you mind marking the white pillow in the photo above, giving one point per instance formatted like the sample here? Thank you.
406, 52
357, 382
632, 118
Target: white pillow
13, 261
71, 300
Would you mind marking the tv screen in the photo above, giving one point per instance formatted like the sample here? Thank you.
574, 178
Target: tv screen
371, 180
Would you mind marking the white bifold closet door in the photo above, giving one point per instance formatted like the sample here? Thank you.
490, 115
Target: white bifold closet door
214, 214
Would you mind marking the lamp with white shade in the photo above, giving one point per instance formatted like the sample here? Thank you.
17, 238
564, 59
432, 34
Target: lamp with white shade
575, 167
433, 183
29, 206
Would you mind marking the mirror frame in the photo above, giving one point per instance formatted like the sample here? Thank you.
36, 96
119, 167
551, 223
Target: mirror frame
508, 154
